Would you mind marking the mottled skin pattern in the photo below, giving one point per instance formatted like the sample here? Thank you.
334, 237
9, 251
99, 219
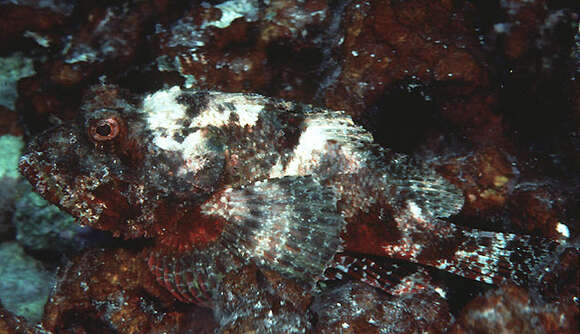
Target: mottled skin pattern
221, 180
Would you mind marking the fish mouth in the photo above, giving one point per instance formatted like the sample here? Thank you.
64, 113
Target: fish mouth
51, 163
56, 165
39, 165
57, 186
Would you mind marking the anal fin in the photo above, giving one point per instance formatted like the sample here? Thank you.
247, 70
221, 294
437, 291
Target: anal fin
489, 257
363, 269
494, 257
392, 278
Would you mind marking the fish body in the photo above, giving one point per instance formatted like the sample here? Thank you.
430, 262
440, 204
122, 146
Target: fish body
219, 180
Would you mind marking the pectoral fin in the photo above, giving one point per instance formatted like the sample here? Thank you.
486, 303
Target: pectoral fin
288, 224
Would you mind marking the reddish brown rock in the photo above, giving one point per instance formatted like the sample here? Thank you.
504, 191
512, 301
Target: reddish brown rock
511, 309
17, 19
250, 301
107, 40
40, 103
114, 292
524, 19
272, 50
485, 176
562, 280
9, 122
537, 211
358, 308
11, 324
474, 115
387, 41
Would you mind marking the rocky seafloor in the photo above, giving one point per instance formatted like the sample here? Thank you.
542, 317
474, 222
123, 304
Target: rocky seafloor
486, 92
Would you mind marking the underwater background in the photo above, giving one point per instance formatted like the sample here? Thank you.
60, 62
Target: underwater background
486, 92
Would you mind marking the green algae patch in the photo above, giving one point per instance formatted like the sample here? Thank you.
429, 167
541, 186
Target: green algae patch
12, 69
24, 283
10, 148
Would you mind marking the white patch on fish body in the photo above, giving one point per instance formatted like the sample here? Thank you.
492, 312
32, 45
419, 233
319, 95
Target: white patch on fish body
195, 149
163, 115
563, 230
165, 118
167, 143
169, 119
415, 211
219, 114
319, 131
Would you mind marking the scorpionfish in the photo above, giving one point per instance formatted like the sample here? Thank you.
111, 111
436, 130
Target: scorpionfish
218, 180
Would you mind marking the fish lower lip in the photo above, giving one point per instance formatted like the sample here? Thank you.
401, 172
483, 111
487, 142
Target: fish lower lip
30, 171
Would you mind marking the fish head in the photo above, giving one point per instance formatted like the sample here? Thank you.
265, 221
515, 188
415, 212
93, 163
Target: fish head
125, 165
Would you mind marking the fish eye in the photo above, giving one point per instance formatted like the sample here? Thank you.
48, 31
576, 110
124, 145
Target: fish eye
104, 129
